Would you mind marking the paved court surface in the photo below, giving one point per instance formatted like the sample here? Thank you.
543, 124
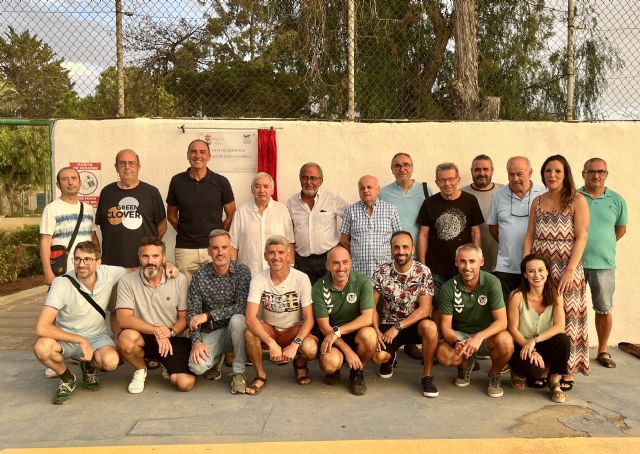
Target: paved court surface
602, 413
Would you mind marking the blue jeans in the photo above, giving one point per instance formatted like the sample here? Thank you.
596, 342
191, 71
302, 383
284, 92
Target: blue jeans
227, 339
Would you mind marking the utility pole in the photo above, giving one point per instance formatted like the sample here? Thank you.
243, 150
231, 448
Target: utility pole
571, 76
351, 46
119, 59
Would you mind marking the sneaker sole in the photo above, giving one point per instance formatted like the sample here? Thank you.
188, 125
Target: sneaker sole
462, 384
495, 395
385, 375
91, 388
358, 393
430, 394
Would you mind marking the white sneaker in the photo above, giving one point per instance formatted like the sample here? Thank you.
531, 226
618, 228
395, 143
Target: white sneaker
50, 373
137, 382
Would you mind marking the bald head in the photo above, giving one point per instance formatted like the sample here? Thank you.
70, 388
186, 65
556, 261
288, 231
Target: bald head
339, 265
368, 188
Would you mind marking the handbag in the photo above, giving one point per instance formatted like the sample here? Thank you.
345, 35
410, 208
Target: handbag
59, 254
86, 296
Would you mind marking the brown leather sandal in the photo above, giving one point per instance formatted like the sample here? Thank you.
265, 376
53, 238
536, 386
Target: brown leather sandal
254, 386
301, 379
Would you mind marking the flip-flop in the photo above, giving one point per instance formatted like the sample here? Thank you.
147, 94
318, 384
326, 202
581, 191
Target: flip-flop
539, 383
604, 358
566, 385
257, 389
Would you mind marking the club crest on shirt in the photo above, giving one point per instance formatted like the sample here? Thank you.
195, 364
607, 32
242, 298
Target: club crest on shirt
352, 298
482, 300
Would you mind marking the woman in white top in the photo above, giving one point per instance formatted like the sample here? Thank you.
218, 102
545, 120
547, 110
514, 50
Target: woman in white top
536, 321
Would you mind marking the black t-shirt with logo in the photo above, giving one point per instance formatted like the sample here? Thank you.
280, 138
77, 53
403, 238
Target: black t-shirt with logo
125, 216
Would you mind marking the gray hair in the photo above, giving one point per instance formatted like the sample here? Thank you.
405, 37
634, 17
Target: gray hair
512, 158
589, 161
276, 239
447, 166
468, 247
218, 232
312, 164
260, 176
125, 150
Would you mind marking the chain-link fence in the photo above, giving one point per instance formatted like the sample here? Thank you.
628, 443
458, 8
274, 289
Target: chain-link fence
291, 59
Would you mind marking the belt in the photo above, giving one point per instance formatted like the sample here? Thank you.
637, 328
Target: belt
312, 256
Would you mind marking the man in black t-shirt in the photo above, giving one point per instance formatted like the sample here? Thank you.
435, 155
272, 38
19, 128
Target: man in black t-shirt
447, 220
195, 203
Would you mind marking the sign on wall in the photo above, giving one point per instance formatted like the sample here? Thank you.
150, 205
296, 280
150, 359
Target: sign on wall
232, 151
91, 181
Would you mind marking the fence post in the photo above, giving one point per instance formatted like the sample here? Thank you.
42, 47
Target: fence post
571, 76
119, 59
351, 45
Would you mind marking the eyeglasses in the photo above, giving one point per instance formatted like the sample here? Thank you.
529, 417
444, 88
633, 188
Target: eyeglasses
311, 179
127, 163
526, 215
600, 173
406, 165
447, 180
85, 260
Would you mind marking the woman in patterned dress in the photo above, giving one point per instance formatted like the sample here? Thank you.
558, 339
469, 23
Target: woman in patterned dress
557, 230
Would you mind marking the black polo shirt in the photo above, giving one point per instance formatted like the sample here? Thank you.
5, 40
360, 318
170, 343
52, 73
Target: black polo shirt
200, 205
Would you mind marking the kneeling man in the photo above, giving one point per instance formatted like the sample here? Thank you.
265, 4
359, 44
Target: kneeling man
402, 292
72, 322
474, 320
343, 305
284, 295
152, 312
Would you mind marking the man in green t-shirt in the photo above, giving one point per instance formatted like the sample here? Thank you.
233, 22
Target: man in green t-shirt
474, 320
343, 306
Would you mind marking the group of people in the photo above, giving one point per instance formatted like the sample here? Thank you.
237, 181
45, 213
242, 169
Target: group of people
441, 274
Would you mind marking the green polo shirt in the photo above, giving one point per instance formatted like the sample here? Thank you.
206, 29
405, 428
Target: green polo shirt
342, 306
605, 214
471, 311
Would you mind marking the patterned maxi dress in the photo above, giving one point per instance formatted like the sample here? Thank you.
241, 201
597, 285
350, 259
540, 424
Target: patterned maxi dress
554, 238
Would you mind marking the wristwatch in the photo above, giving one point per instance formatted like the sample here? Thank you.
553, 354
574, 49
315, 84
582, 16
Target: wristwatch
397, 326
173, 333
298, 341
336, 331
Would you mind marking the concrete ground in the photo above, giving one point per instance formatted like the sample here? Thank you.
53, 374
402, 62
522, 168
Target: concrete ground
604, 404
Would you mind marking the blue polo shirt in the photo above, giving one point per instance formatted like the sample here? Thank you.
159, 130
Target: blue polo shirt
605, 214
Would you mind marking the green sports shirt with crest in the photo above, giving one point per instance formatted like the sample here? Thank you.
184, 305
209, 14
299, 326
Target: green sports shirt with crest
342, 306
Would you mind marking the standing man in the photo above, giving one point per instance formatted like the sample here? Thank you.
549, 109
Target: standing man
69, 326
402, 291
474, 320
195, 203
484, 189
152, 311
129, 210
447, 220
367, 228
343, 306
256, 221
315, 215
216, 305
607, 224
59, 219
284, 295
508, 219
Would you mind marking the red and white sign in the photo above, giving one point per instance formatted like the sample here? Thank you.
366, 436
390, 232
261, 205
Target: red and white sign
91, 178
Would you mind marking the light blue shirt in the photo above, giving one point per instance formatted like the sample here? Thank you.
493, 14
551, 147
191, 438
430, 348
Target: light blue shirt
511, 215
408, 205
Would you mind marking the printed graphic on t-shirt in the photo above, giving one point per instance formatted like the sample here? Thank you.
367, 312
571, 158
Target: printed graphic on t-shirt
450, 224
289, 302
126, 213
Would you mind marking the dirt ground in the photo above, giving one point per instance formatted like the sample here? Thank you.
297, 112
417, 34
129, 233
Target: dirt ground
23, 283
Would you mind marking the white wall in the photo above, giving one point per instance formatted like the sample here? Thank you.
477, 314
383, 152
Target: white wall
347, 151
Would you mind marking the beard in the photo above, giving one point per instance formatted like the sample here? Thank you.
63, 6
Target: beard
151, 271
401, 259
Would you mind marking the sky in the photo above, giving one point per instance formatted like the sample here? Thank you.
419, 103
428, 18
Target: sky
83, 34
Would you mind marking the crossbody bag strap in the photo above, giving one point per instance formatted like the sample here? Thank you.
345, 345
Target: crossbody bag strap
86, 296
75, 230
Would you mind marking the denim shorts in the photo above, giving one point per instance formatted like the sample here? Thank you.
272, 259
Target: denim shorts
602, 284
70, 350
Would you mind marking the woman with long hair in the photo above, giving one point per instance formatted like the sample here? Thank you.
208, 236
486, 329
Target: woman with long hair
557, 231
535, 314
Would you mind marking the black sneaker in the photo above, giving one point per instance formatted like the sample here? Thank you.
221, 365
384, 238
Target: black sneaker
386, 369
356, 379
428, 388
332, 379
89, 376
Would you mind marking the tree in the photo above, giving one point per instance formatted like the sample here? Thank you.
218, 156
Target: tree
36, 83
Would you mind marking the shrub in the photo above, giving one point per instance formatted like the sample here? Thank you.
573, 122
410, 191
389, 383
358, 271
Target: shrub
16, 259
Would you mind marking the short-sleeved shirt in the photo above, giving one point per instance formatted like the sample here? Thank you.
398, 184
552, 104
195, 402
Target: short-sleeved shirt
472, 311
605, 214
219, 296
407, 203
511, 215
449, 223
75, 314
489, 244
342, 306
200, 204
399, 292
125, 217
282, 303
250, 231
159, 305
316, 230
59, 220
370, 235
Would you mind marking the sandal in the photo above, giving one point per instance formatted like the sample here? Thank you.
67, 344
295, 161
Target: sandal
604, 358
301, 379
518, 383
540, 383
566, 385
254, 386
557, 395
